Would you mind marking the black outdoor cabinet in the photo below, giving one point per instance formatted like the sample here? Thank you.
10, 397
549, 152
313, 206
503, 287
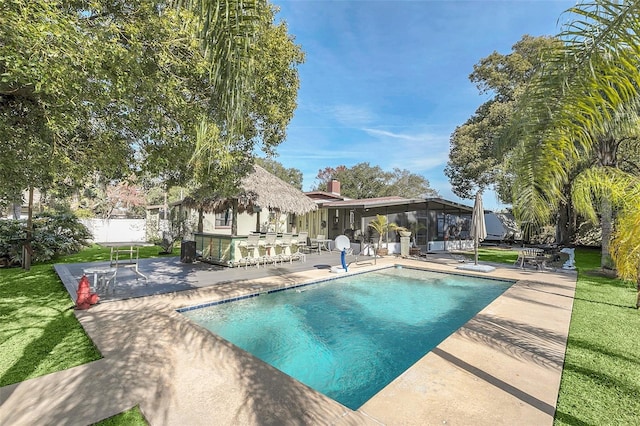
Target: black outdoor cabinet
187, 251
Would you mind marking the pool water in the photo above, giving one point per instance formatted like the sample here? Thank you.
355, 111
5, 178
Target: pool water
350, 337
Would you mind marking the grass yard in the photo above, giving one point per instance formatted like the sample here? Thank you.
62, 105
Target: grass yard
39, 333
601, 376
600, 383
132, 417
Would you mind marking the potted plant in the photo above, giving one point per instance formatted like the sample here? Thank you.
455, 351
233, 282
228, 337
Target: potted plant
381, 225
403, 232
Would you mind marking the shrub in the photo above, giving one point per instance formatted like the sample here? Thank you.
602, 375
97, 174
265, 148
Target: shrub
54, 234
11, 234
544, 235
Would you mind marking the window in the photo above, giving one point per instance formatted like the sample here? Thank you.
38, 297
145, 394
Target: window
223, 219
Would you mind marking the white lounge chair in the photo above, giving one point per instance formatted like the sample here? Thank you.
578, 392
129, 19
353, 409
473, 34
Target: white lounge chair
301, 242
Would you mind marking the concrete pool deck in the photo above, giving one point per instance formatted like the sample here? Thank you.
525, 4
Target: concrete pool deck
502, 367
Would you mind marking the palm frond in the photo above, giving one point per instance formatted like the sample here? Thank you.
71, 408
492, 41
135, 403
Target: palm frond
595, 184
585, 90
229, 31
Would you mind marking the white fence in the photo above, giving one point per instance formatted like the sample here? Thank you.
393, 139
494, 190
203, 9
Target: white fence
117, 230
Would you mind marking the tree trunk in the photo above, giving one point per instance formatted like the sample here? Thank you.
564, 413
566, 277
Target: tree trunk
573, 225
562, 227
638, 289
234, 217
16, 209
606, 222
27, 250
200, 219
607, 154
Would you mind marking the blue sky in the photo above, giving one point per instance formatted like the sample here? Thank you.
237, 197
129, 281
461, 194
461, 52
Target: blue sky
386, 82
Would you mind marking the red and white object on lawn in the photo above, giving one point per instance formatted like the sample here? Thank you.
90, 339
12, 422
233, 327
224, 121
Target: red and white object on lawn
84, 297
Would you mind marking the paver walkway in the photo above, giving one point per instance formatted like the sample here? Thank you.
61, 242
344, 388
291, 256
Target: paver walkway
502, 367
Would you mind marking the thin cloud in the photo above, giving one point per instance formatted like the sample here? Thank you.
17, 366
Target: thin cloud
351, 115
388, 85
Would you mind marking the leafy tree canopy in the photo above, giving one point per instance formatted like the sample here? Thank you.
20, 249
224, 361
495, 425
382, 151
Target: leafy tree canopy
474, 162
576, 115
104, 87
365, 181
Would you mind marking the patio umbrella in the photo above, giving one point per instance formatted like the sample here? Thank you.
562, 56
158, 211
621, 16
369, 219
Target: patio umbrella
478, 227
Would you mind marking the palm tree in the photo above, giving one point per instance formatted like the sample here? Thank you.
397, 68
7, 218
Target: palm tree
382, 226
229, 31
583, 97
625, 250
622, 190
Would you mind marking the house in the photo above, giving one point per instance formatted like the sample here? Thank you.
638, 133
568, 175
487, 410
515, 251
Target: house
268, 204
263, 204
437, 224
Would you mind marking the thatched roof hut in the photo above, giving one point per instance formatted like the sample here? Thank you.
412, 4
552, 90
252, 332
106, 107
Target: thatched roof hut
268, 191
259, 189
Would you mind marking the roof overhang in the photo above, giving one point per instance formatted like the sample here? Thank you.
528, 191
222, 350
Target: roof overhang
417, 203
373, 203
442, 204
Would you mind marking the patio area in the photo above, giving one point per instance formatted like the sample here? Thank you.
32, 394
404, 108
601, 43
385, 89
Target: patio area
502, 367
169, 275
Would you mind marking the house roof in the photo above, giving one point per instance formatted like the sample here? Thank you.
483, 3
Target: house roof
432, 202
323, 195
261, 189
373, 202
368, 203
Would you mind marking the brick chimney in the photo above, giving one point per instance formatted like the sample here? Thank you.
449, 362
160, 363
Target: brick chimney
334, 187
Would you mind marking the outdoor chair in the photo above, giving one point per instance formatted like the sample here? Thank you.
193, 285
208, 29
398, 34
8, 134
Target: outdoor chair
532, 256
284, 244
247, 253
318, 242
298, 255
269, 246
104, 279
301, 242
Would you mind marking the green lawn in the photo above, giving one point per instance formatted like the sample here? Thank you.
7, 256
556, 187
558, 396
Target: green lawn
600, 384
132, 417
38, 332
601, 377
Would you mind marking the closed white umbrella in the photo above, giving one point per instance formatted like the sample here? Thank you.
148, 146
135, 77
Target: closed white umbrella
478, 227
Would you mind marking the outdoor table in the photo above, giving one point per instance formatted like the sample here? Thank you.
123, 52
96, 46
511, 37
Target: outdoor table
323, 244
130, 261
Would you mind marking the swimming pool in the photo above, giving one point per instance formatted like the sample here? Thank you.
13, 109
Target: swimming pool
351, 336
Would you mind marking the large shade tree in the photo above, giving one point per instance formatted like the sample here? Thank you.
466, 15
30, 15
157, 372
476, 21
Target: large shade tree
105, 87
585, 96
474, 162
365, 181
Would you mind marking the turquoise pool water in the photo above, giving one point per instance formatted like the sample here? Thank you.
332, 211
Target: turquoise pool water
349, 337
